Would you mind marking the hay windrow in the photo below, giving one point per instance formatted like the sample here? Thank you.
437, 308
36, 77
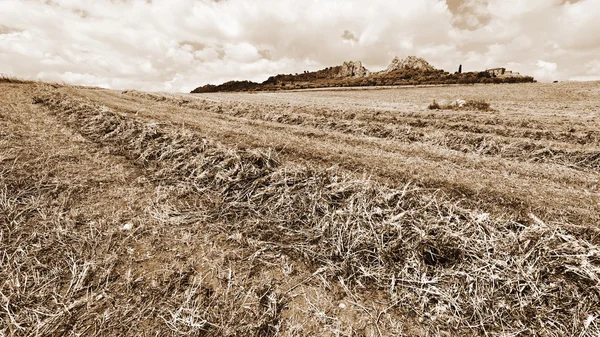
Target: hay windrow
68, 268
457, 138
458, 270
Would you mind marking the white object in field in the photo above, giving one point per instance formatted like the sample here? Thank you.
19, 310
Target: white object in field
127, 227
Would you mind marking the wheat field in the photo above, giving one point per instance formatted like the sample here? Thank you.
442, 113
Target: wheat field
355, 212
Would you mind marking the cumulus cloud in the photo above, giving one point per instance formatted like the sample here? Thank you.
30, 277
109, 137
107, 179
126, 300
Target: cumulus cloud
546, 71
179, 45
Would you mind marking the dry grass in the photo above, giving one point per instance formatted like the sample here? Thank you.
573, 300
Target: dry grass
434, 106
474, 105
12, 79
483, 143
69, 266
499, 161
66, 274
458, 270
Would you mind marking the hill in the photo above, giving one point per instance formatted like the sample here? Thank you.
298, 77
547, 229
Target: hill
409, 71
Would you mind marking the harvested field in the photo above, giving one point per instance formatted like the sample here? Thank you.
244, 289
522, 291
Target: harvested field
323, 213
527, 156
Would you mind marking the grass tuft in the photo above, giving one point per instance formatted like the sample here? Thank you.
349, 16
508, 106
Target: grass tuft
434, 106
478, 105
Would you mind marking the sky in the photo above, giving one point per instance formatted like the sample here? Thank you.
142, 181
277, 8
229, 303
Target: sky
178, 45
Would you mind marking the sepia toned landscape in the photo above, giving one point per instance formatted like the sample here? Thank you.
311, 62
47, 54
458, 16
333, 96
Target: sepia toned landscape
282, 168
411, 70
340, 212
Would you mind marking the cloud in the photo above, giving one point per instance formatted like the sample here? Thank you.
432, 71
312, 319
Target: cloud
242, 52
349, 36
592, 72
179, 45
547, 71
593, 67
469, 14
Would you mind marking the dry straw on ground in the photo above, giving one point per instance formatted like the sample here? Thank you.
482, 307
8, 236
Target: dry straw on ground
486, 143
455, 270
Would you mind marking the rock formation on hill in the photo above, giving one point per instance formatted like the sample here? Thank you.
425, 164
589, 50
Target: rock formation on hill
353, 69
410, 62
411, 70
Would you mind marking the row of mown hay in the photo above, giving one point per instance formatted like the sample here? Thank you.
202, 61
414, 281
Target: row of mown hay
68, 266
464, 141
455, 269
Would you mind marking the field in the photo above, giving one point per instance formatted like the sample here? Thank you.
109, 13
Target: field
356, 212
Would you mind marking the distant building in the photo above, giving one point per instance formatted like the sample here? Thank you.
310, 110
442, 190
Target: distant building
502, 72
494, 72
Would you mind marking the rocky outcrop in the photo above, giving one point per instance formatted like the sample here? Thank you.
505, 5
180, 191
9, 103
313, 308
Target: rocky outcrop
411, 62
353, 69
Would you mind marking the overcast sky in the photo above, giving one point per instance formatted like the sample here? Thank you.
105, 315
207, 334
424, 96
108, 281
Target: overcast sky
171, 45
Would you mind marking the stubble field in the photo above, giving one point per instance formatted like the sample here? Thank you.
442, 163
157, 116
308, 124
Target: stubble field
322, 212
